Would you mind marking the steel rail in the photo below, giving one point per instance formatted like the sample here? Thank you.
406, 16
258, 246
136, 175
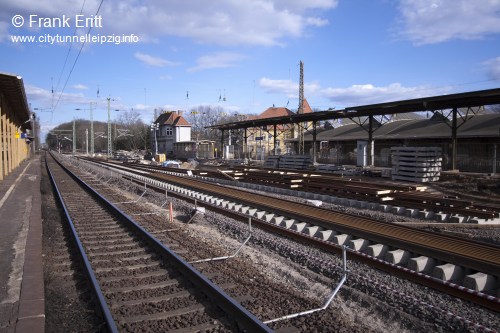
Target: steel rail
101, 302
420, 278
242, 316
475, 255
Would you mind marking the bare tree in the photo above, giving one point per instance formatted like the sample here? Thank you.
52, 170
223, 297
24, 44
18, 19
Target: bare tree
131, 132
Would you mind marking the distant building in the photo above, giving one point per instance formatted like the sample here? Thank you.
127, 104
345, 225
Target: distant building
478, 140
261, 140
172, 127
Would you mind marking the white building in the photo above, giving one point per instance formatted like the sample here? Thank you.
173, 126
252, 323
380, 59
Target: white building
171, 127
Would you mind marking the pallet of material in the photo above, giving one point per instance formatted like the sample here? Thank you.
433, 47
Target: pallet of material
298, 162
416, 164
272, 161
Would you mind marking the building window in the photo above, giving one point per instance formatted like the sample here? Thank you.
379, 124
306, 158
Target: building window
169, 131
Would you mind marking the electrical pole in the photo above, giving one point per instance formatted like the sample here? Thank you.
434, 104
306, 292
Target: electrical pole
74, 138
87, 140
301, 109
91, 132
110, 147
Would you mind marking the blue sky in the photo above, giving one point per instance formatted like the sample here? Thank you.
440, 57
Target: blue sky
355, 52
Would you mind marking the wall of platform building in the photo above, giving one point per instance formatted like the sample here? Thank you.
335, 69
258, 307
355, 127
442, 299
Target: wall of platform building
14, 149
473, 154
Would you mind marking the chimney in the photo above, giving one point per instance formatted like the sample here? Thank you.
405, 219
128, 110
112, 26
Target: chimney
179, 113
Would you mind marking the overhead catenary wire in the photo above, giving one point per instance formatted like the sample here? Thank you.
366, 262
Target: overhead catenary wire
67, 56
76, 60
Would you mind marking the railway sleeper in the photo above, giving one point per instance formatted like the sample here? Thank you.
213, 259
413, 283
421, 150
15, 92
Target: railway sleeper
446, 272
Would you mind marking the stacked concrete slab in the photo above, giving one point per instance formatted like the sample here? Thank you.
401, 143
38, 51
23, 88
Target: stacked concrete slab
298, 162
416, 164
272, 162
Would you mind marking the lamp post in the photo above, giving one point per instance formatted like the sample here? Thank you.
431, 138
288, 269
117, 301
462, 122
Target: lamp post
154, 128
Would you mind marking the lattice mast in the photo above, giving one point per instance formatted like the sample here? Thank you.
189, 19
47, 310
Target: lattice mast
300, 127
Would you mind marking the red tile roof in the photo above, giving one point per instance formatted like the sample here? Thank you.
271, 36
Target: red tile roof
306, 107
275, 112
172, 118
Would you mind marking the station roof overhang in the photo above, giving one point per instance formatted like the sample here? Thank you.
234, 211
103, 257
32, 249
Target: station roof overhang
433, 103
12, 89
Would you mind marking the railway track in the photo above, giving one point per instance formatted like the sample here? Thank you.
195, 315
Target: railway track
140, 284
409, 196
474, 256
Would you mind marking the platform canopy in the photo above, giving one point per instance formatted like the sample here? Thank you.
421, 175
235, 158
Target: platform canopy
442, 102
12, 90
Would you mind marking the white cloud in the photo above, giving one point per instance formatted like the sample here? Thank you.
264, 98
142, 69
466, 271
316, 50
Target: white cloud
217, 60
435, 21
222, 22
44, 97
493, 68
365, 94
153, 61
4, 31
80, 87
287, 87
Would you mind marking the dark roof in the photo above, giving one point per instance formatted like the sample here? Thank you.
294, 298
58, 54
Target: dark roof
172, 118
482, 125
443, 102
12, 88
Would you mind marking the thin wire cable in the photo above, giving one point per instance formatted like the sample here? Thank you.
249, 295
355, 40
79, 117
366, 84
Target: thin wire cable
67, 54
76, 60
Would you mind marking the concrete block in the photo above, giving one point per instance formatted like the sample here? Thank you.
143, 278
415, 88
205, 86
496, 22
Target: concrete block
459, 219
244, 209
288, 223
252, 211
358, 244
230, 205
397, 257
354, 203
278, 219
299, 227
364, 204
374, 206
398, 210
340, 239
421, 264
269, 217
441, 217
427, 215
312, 231
377, 250
260, 214
480, 282
316, 203
326, 234
344, 201
412, 212
237, 208
448, 272
385, 208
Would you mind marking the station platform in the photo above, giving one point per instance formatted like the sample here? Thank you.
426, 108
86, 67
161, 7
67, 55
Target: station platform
22, 301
